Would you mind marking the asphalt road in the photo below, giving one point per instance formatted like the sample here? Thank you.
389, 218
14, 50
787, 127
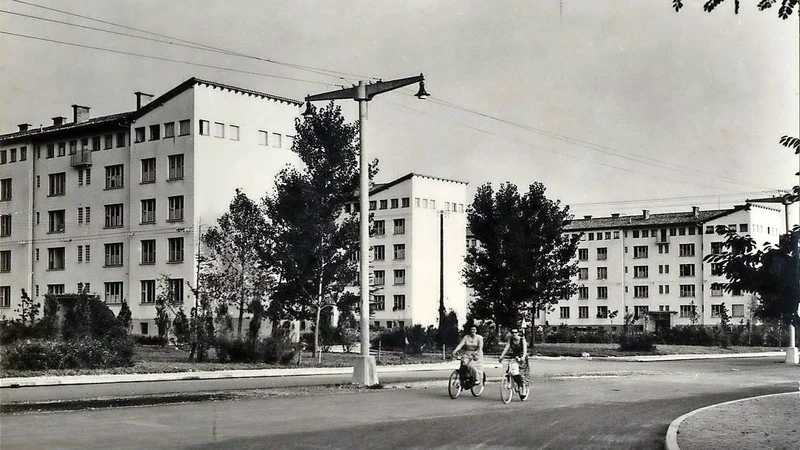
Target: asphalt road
574, 404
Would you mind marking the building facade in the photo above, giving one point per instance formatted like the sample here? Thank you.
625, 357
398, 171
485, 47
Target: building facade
115, 205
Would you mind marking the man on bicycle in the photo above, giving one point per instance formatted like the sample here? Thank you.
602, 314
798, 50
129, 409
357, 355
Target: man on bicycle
472, 358
517, 350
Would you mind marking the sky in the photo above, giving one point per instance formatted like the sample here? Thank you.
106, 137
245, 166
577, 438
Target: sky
614, 105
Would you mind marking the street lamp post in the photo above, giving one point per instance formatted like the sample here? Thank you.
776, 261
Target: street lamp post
364, 371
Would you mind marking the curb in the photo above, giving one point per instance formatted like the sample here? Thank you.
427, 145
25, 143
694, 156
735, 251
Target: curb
646, 358
672, 431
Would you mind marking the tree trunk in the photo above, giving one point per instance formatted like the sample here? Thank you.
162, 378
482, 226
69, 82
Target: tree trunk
319, 311
241, 297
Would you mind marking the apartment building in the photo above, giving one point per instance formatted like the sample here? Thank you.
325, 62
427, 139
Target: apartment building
419, 227
651, 265
109, 205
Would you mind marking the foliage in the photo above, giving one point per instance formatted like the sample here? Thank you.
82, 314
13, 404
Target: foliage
637, 342
723, 337
271, 350
141, 339
348, 337
180, 326
524, 260
124, 316
785, 10
166, 303
28, 309
447, 333
81, 353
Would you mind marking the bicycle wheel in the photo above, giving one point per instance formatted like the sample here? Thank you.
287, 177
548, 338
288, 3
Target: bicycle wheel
506, 388
477, 390
454, 385
524, 390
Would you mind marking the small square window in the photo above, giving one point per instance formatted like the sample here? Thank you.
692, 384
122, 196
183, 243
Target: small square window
169, 129
234, 132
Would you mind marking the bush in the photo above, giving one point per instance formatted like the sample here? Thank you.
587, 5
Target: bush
637, 342
83, 353
270, 350
149, 340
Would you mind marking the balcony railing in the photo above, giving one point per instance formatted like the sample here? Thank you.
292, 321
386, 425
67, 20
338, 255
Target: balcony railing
81, 158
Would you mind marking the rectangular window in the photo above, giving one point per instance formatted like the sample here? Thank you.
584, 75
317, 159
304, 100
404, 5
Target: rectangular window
583, 312
219, 130
3, 157
640, 251
716, 310
234, 132
379, 253
602, 253
5, 189
583, 293
641, 271
716, 269
96, 143
641, 291
149, 210
399, 276
176, 208
602, 292
55, 289
405, 202
176, 167
687, 270
122, 139
380, 227
88, 211
138, 135
87, 253
716, 248
80, 253
394, 203
743, 228
737, 310
602, 312
663, 248
687, 310
276, 140
169, 130
80, 177
262, 137
176, 289
399, 303
383, 204
183, 127
148, 291
5, 225
380, 277
640, 311
113, 254
380, 303
399, 226
687, 250
113, 292
583, 273
5, 296
399, 251
5, 260
56, 221
175, 250
108, 141
205, 129
51, 151
114, 176
113, 216
88, 177
58, 184
583, 254
602, 273
149, 170
564, 312
148, 251
687, 290
55, 258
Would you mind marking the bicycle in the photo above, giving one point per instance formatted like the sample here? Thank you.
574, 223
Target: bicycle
508, 386
460, 380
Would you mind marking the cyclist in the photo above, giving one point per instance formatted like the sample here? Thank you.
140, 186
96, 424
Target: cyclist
472, 343
517, 350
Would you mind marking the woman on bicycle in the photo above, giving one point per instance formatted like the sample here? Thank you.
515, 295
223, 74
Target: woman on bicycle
517, 350
472, 343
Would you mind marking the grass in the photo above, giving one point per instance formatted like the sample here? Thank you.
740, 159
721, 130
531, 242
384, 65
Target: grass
167, 359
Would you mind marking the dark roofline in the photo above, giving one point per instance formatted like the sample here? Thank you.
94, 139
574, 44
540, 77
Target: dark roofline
383, 186
662, 219
122, 118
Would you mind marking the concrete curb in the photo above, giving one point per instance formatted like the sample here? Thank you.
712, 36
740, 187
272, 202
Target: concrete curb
646, 358
672, 431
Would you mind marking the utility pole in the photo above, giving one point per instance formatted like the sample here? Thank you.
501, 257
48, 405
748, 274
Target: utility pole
365, 371
792, 356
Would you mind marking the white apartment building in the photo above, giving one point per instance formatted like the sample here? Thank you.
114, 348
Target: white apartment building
652, 265
110, 204
417, 250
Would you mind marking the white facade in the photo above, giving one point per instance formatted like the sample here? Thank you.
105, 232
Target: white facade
116, 202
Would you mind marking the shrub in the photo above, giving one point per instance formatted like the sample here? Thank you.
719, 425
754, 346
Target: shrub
82, 353
270, 350
149, 340
637, 342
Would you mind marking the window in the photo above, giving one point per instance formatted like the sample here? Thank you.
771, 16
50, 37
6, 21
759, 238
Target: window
138, 135
716, 248
262, 137
405, 202
56, 221
88, 253
62, 148
276, 140
122, 139
169, 130
176, 208
5, 296
80, 177
663, 289
148, 251
687, 290
175, 167
687, 250
399, 251
58, 184
583, 293
380, 227
5, 225
51, 151
399, 302
5, 261
602, 312
602, 292
384, 204
113, 216
602, 273
113, 292
108, 141
399, 226
113, 255
380, 277
380, 303
663, 248
149, 210
176, 289
73, 147
88, 177
709, 229
88, 211
687, 270
219, 129
743, 228
599, 236
80, 253
3, 157
641, 271
640, 311
583, 273
379, 252
183, 127
716, 310
564, 312
175, 250
583, 312
716, 269
641, 291
602, 253
400, 276
583, 254
55, 258
640, 251
289, 142
234, 132
148, 291
688, 310
114, 176
149, 170
5, 189
204, 128
737, 310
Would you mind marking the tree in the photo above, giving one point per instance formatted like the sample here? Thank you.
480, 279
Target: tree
124, 316
314, 238
524, 260
166, 303
785, 10
238, 247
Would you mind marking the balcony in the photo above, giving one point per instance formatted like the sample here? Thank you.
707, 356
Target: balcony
81, 158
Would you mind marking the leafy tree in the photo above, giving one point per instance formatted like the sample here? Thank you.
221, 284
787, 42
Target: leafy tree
238, 250
124, 315
166, 304
313, 237
28, 309
785, 10
524, 260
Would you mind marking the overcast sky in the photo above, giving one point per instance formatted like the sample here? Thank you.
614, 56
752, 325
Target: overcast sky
609, 103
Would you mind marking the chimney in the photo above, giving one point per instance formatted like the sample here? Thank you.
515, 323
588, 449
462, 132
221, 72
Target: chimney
59, 120
80, 113
142, 99
695, 211
24, 126
645, 214
587, 216
615, 215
